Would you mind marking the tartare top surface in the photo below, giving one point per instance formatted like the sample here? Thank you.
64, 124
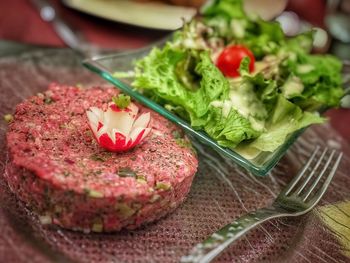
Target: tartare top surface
50, 136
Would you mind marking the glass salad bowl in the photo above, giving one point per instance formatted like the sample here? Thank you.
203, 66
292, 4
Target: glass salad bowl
105, 66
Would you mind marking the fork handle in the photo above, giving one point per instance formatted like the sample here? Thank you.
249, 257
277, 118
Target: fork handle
210, 248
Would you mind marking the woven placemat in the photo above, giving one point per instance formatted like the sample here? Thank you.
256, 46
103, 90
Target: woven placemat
220, 193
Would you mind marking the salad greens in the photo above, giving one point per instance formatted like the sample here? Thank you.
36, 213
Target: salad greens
183, 80
256, 111
122, 101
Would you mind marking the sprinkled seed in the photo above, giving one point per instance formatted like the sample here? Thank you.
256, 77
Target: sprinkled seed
93, 193
126, 172
217, 236
97, 227
8, 118
45, 220
231, 228
163, 186
154, 198
125, 211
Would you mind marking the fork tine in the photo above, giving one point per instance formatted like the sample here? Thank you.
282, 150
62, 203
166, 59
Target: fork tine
296, 179
314, 169
323, 189
306, 195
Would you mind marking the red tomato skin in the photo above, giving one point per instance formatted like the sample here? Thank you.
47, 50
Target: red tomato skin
230, 59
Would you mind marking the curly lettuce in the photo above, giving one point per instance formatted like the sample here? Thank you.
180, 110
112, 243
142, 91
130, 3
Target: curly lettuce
286, 118
321, 80
257, 111
186, 80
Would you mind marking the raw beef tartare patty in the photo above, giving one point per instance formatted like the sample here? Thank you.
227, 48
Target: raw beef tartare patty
58, 170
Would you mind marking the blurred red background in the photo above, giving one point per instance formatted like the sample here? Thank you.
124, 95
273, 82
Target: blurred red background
20, 22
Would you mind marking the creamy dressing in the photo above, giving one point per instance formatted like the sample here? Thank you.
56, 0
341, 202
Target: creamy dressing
243, 99
259, 66
293, 86
238, 28
191, 43
257, 125
305, 68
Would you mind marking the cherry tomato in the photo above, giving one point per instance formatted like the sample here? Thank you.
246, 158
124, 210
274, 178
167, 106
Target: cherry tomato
230, 59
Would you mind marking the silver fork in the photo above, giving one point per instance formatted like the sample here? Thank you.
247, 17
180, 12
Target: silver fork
297, 198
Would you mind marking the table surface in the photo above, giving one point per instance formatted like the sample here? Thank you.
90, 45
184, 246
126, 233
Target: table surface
22, 48
220, 193
16, 13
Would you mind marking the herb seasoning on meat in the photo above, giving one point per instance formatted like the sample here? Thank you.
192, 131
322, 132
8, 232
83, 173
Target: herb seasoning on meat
63, 175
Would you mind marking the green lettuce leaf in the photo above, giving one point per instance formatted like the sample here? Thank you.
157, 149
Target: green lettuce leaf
229, 130
182, 78
321, 78
257, 111
244, 66
228, 9
230, 22
286, 119
299, 44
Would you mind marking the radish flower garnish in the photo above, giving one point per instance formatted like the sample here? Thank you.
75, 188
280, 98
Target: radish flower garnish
117, 129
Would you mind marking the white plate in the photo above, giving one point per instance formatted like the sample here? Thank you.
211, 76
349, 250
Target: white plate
150, 15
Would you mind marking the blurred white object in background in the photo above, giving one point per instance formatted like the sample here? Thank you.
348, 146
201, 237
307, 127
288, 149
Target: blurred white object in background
339, 26
290, 23
153, 14
321, 38
266, 9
